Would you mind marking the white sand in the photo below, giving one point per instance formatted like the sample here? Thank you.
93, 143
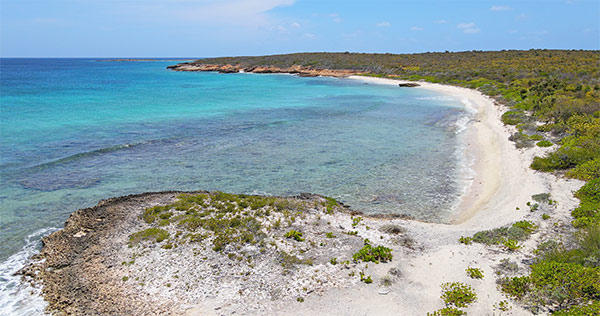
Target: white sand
503, 181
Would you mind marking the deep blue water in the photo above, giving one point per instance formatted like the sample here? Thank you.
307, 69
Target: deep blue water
74, 131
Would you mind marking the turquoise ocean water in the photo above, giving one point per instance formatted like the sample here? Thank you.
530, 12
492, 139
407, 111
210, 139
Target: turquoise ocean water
74, 131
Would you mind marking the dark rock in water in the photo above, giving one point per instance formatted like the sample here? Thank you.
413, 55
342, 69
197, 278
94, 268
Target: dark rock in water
409, 85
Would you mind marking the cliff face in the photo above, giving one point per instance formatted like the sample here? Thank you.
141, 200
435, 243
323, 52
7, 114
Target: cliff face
228, 68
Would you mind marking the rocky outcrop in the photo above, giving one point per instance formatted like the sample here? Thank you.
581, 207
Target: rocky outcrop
172, 253
228, 68
408, 85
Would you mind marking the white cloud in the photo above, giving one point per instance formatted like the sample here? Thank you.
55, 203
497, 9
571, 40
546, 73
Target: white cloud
236, 12
383, 24
471, 31
309, 35
295, 24
500, 8
468, 28
335, 17
465, 25
416, 28
440, 21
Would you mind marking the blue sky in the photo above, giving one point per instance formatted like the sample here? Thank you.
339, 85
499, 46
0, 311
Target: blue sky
204, 28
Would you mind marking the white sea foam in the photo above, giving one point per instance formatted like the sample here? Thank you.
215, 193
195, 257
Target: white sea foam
16, 296
465, 172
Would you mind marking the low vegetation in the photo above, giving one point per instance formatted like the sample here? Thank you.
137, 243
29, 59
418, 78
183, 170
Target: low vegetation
474, 273
508, 236
553, 98
373, 254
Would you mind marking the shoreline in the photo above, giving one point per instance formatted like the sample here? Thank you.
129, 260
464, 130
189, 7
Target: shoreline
481, 144
498, 196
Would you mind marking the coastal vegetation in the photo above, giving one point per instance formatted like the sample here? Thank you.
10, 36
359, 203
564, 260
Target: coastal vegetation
455, 295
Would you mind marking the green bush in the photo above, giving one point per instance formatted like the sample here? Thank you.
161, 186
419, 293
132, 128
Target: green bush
474, 273
373, 254
586, 171
590, 192
518, 231
465, 240
458, 294
511, 244
153, 233
515, 286
565, 283
544, 143
513, 117
296, 235
592, 309
448, 311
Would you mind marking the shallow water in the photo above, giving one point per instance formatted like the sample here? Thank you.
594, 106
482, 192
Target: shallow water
74, 131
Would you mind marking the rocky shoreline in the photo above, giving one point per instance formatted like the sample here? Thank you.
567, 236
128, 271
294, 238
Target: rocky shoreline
228, 68
104, 261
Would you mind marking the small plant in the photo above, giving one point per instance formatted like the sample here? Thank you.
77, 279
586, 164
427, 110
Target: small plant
386, 281
541, 198
300, 299
545, 216
155, 234
296, 235
329, 235
465, 240
503, 306
447, 311
369, 253
125, 278
534, 207
511, 244
458, 294
392, 229
474, 273
544, 143
356, 221
333, 261
367, 279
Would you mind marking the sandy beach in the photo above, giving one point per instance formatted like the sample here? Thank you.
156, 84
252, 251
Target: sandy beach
502, 186
196, 280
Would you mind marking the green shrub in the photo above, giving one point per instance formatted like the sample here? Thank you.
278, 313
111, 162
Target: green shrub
565, 283
153, 233
373, 254
586, 171
296, 235
447, 311
541, 198
545, 216
356, 221
458, 294
465, 240
511, 244
592, 309
367, 279
544, 143
513, 117
515, 286
518, 231
474, 273
333, 261
590, 192
329, 235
